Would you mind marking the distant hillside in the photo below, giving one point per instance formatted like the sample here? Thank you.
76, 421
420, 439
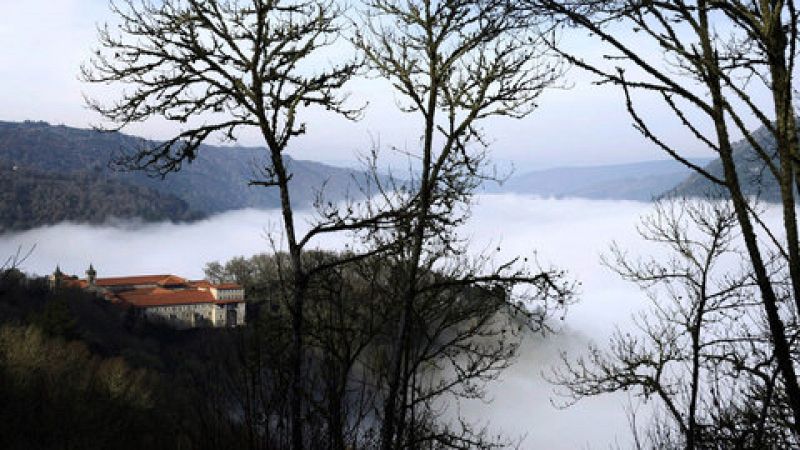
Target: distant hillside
755, 180
216, 181
641, 181
30, 198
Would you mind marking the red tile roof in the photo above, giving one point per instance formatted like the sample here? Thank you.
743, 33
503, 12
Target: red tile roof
160, 280
172, 280
163, 292
200, 284
143, 298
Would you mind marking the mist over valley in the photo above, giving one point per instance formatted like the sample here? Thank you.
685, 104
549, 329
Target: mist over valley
569, 234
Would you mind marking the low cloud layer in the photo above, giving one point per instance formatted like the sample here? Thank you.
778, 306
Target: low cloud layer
570, 234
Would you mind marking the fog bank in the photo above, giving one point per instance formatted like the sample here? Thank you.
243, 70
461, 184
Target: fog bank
570, 234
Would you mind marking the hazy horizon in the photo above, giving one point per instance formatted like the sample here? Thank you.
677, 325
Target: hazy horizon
46, 87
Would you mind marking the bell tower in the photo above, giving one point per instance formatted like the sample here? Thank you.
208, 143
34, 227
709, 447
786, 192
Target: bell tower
91, 276
55, 278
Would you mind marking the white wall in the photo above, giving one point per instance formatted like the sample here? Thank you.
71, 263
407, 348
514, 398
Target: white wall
181, 316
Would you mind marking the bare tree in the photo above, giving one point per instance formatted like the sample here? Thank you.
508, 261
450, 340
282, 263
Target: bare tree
710, 55
216, 67
464, 334
9, 269
702, 349
14, 261
454, 63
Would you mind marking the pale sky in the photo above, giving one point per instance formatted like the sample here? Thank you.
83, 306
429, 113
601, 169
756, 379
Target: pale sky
44, 42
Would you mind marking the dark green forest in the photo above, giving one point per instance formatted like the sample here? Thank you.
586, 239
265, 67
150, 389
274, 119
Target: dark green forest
81, 373
30, 198
66, 173
77, 373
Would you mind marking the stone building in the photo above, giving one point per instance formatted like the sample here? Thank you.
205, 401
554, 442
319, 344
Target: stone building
170, 299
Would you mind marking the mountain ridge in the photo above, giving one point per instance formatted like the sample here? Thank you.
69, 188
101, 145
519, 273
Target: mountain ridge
52, 173
640, 181
216, 181
754, 178
30, 198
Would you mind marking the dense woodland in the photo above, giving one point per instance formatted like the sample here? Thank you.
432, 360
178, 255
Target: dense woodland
52, 158
30, 198
79, 372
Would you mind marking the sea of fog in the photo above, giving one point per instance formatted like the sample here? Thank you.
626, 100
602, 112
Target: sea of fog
568, 233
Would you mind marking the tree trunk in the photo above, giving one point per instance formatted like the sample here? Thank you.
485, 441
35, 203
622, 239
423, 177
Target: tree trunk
783, 355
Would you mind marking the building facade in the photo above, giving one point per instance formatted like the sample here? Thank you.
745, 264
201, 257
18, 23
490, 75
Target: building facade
169, 299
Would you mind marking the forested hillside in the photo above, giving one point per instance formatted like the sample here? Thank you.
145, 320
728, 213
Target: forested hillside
70, 158
79, 372
642, 181
755, 179
30, 198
